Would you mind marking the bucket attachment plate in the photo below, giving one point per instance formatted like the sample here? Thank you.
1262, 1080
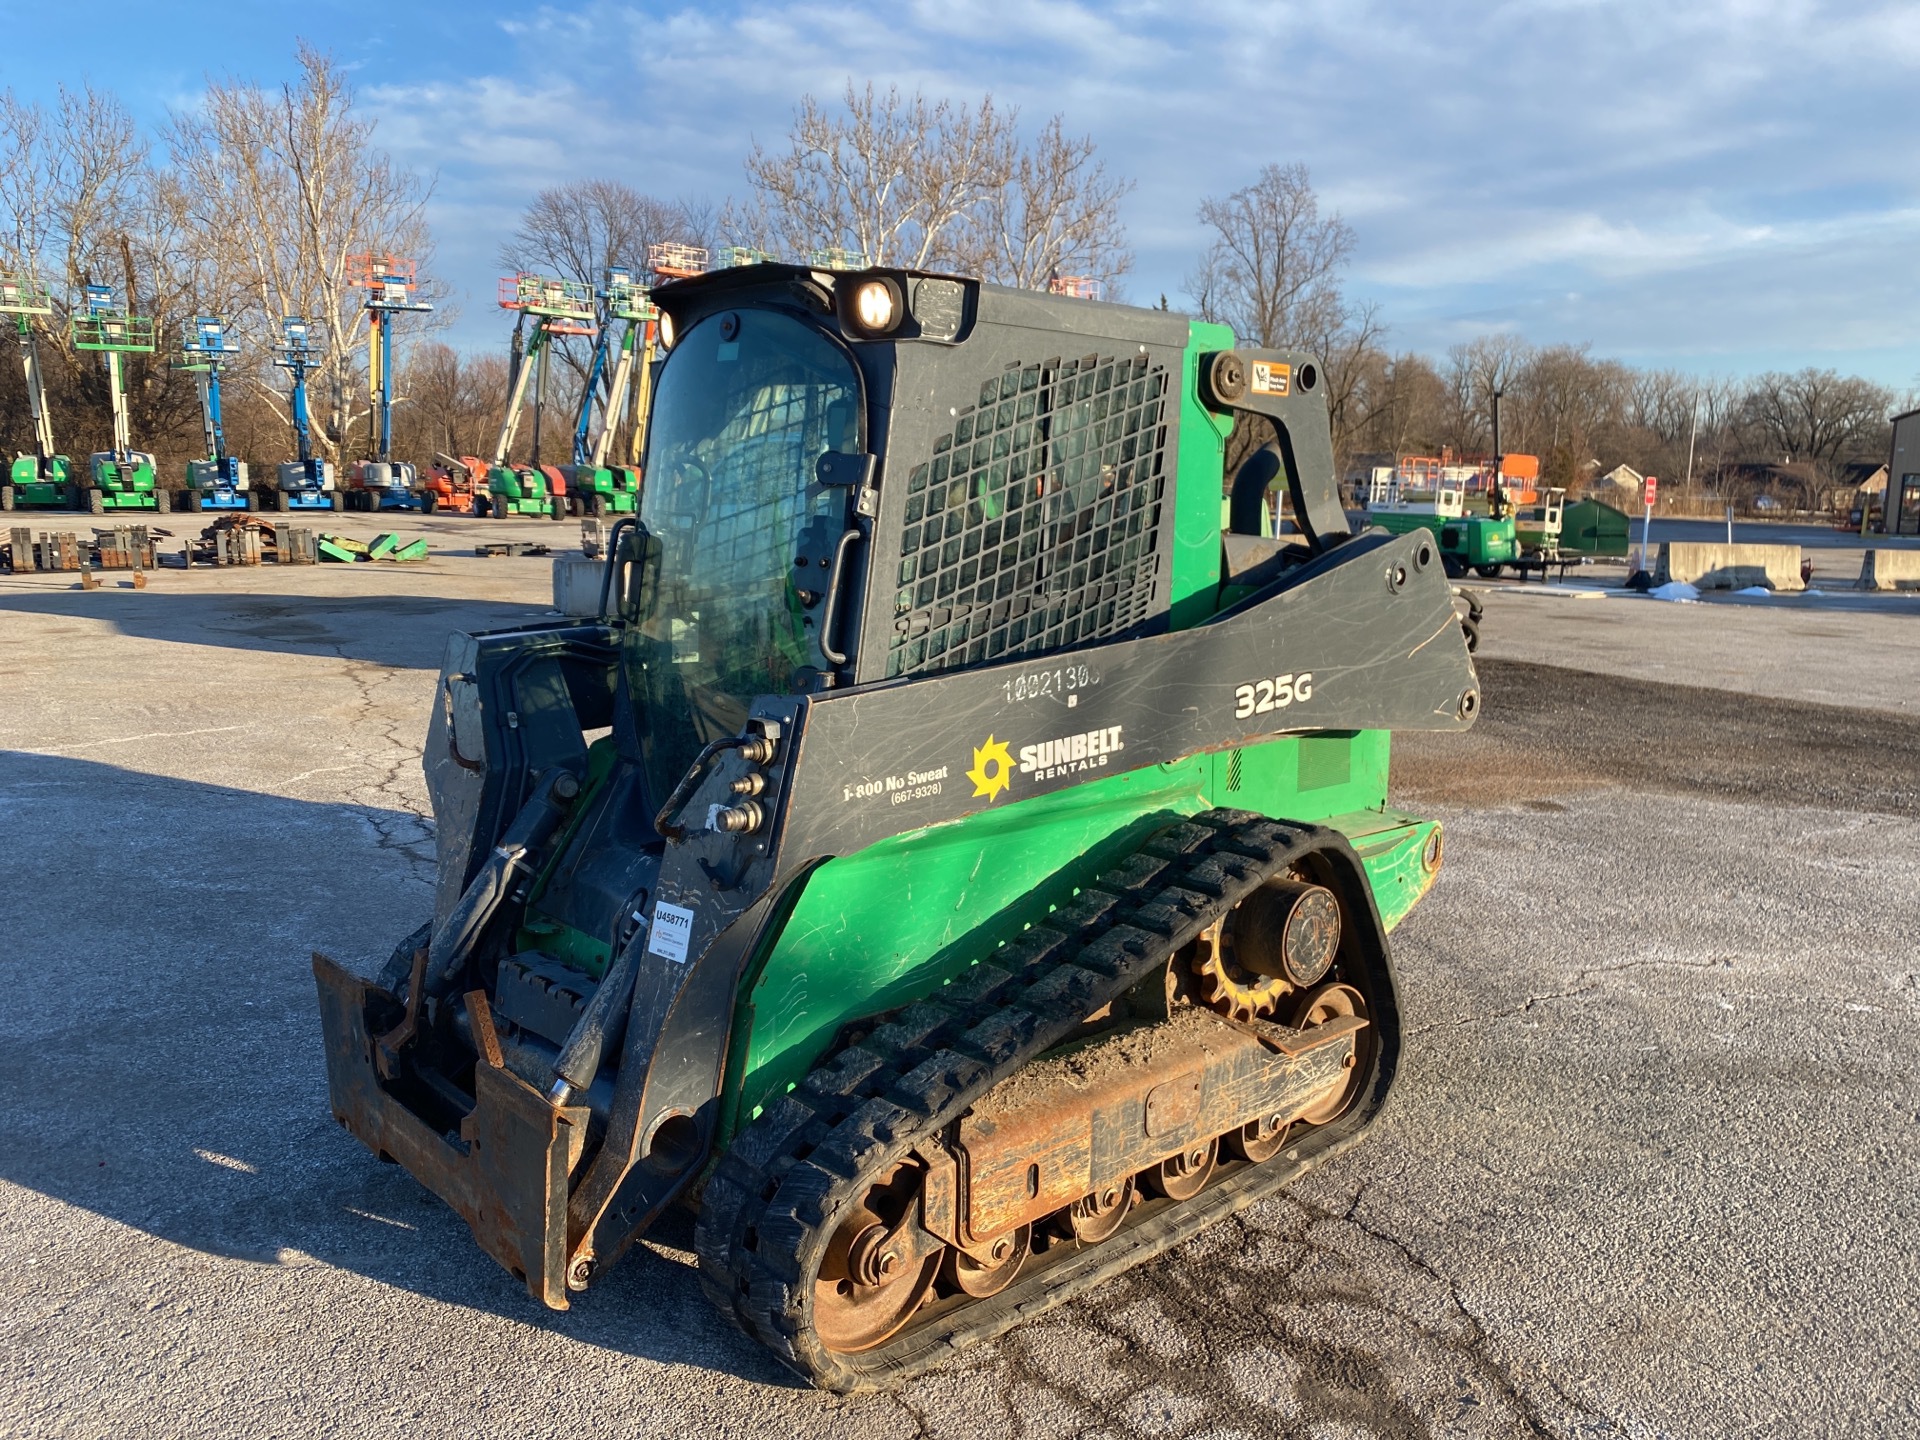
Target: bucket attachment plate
506, 1172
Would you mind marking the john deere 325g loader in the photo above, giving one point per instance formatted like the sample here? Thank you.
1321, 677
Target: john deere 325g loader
951, 864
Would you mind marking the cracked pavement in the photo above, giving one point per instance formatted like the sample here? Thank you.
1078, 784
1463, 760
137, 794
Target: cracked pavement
1648, 1170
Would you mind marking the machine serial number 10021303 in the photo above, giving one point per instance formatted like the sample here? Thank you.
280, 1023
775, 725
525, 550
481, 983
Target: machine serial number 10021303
1263, 697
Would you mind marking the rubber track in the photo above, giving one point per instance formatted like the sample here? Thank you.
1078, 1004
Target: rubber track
771, 1203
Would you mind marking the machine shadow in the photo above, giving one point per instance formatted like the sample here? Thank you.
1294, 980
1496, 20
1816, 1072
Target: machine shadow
403, 631
164, 1064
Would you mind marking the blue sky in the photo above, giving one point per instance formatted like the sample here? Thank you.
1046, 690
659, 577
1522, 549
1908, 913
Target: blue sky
1720, 185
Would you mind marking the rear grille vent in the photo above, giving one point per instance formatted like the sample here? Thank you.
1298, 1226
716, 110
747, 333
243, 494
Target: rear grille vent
1035, 524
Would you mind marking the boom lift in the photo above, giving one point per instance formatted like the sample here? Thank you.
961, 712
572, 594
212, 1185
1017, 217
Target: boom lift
306, 483
953, 862
599, 488
42, 479
122, 478
557, 307
384, 483
218, 482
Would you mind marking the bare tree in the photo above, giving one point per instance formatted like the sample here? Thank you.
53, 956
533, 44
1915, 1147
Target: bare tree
284, 186
577, 230
455, 402
1814, 415
80, 204
1272, 271
1476, 370
891, 178
1058, 213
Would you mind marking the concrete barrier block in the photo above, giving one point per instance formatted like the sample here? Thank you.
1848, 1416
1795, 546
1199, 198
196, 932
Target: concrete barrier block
1729, 567
576, 585
1891, 570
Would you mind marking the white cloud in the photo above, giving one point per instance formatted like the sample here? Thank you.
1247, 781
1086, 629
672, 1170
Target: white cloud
1492, 158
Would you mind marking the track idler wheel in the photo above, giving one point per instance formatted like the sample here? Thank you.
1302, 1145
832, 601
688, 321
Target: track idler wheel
1332, 1002
1093, 1218
991, 1269
1183, 1176
1259, 1140
871, 1281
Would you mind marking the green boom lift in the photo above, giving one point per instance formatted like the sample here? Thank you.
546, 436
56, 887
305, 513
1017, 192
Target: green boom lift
557, 307
954, 862
122, 478
42, 479
595, 486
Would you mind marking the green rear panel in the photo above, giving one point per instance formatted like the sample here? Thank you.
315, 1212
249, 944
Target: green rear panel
31, 487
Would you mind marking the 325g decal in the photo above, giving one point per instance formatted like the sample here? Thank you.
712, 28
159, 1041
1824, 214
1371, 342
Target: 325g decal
1263, 697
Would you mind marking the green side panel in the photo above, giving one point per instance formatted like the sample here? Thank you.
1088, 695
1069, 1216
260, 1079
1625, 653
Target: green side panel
1199, 482
872, 931
381, 545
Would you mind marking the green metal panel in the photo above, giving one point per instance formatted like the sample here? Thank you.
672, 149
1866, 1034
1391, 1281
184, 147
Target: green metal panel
1202, 465
1470, 540
874, 930
1592, 527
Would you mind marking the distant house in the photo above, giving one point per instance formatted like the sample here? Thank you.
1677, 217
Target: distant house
1621, 487
1858, 483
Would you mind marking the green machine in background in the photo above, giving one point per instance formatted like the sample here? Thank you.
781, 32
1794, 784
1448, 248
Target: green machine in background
1402, 501
42, 479
121, 478
558, 308
594, 486
954, 862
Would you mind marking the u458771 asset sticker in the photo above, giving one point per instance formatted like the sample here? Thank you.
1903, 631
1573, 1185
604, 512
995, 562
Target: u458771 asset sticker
672, 931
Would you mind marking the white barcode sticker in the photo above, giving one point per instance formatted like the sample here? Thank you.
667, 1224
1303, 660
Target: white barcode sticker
672, 930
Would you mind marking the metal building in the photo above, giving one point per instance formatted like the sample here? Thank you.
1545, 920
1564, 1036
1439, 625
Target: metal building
1902, 514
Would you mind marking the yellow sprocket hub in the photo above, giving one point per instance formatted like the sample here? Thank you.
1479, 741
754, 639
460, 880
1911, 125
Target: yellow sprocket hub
1227, 988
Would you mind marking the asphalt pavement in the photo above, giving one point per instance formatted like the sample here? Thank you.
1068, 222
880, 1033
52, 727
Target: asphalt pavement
1648, 1170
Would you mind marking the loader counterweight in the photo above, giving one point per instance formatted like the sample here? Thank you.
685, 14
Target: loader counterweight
937, 728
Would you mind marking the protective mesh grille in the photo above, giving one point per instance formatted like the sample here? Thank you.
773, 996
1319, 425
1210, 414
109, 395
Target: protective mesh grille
1035, 524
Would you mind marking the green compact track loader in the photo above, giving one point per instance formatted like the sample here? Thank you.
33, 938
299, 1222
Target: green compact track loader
954, 864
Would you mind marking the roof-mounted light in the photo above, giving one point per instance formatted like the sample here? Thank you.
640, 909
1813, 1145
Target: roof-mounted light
871, 305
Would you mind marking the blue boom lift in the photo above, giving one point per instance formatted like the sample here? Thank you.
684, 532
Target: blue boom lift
218, 482
600, 488
306, 483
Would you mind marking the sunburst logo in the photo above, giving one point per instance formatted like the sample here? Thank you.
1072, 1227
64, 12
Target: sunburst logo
992, 769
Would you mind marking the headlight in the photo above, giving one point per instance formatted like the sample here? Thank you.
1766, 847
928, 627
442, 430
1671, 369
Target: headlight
666, 331
873, 306
869, 306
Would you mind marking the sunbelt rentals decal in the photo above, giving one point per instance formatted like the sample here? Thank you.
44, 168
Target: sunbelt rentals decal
997, 762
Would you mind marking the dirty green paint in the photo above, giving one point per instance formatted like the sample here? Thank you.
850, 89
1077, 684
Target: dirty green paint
872, 931
1202, 461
